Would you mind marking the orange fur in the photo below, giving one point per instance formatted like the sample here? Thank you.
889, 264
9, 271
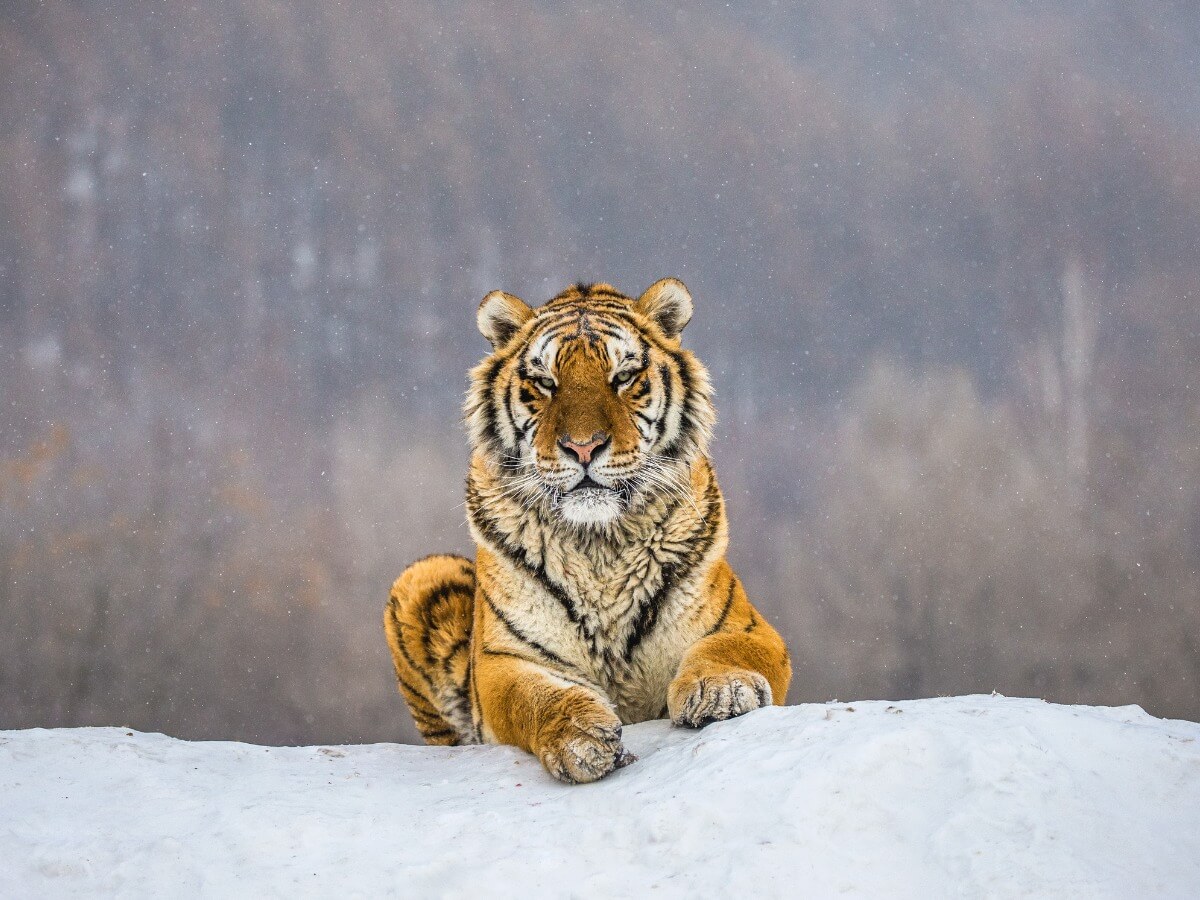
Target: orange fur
584, 611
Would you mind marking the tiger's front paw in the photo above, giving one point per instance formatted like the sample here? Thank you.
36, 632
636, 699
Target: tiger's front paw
583, 744
713, 698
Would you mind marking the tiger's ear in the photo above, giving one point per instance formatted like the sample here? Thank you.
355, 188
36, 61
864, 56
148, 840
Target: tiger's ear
669, 304
500, 316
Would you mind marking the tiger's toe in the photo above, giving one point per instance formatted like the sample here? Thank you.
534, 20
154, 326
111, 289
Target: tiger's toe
714, 698
580, 752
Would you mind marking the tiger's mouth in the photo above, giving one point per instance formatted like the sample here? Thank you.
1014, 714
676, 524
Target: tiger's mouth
586, 484
590, 503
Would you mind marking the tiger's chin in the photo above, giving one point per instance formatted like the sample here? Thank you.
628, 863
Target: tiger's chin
590, 506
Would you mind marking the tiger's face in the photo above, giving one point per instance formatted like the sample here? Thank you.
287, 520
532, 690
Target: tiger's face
589, 404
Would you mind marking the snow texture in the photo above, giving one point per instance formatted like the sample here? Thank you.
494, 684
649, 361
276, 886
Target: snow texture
966, 796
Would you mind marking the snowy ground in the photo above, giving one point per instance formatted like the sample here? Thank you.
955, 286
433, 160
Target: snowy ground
966, 796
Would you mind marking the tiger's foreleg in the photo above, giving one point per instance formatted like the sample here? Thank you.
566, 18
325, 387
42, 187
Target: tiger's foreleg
741, 665
568, 725
528, 696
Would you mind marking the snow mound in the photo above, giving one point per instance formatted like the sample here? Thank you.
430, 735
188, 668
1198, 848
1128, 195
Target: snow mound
970, 796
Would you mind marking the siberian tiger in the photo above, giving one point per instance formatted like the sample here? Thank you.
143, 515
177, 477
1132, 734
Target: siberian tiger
600, 594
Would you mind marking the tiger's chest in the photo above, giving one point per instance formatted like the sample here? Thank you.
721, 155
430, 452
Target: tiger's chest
632, 618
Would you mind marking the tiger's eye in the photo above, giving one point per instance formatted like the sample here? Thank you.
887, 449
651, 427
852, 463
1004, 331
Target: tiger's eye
547, 383
624, 377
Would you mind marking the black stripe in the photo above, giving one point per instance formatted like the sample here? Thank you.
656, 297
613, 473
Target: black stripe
553, 319
613, 311
673, 573
418, 694
726, 608
454, 648
508, 410
523, 638
629, 317
603, 328
584, 290
534, 662
584, 326
516, 556
491, 435
664, 372
599, 290
434, 598
598, 315
423, 719
619, 315
441, 732
404, 650
448, 588
687, 426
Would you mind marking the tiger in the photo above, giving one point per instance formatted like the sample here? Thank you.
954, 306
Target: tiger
600, 595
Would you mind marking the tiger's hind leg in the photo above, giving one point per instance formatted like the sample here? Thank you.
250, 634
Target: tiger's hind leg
428, 624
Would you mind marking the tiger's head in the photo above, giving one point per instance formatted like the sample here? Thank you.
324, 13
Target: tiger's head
588, 404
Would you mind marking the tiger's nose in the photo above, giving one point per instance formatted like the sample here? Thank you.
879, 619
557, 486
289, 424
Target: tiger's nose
583, 451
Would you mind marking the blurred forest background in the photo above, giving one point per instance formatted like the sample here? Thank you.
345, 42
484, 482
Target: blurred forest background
946, 262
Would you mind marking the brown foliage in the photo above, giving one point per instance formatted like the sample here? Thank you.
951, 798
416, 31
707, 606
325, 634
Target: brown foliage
241, 243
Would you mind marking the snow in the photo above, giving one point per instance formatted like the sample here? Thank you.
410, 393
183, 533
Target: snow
963, 796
